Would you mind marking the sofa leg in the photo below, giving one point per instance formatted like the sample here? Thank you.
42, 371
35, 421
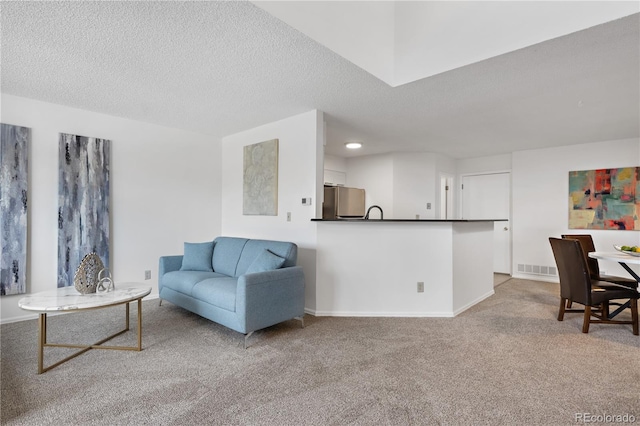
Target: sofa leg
301, 319
246, 336
160, 303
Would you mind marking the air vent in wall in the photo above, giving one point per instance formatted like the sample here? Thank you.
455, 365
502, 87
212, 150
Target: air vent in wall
537, 269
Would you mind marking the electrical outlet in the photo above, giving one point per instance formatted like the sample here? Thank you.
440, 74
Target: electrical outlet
428, 206
288, 216
420, 287
147, 275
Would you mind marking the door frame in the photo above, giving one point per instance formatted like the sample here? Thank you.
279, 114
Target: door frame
461, 207
452, 209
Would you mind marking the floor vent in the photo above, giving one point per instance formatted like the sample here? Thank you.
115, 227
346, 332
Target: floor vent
537, 269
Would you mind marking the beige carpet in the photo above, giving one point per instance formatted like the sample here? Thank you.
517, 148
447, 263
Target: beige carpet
505, 361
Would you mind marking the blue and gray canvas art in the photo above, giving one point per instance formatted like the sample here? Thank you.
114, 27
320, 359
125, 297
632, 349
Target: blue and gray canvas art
83, 197
13, 208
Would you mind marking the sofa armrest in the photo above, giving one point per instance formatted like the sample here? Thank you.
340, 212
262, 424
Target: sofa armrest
267, 298
168, 264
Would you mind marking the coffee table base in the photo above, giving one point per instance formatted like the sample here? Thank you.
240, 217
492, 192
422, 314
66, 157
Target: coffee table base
42, 340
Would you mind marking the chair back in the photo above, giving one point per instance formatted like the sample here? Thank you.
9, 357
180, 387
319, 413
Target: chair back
575, 282
586, 241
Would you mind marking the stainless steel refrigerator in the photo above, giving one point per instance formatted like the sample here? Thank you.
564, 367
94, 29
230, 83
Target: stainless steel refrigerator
340, 201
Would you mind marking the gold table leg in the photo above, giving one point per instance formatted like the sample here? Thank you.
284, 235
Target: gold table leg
42, 340
139, 323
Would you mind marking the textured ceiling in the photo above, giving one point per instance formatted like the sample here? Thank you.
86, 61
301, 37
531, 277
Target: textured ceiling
223, 67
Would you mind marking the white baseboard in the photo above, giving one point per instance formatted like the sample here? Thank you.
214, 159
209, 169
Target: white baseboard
317, 313
472, 303
379, 314
535, 277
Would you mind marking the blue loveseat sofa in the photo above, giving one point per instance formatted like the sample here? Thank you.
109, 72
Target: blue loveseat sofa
243, 284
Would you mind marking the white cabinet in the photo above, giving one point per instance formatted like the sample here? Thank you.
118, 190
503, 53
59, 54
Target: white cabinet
334, 177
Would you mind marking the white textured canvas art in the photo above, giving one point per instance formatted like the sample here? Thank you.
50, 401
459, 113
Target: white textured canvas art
13, 208
260, 179
83, 197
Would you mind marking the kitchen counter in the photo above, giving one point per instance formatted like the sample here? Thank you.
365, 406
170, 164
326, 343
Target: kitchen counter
401, 267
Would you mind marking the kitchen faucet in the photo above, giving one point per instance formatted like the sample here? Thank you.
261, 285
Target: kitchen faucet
366, 217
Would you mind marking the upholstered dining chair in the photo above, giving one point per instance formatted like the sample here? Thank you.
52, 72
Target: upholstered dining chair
586, 241
577, 285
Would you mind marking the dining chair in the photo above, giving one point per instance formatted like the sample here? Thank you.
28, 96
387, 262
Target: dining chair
586, 241
576, 285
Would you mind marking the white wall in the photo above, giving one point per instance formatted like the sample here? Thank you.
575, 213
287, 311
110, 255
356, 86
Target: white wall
433, 37
362, 32
402, 183
494, 163
374, 173
414, 185
165, 189
338, 164
540, 201
299, 176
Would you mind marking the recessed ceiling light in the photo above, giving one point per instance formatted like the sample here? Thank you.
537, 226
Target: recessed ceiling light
353, 145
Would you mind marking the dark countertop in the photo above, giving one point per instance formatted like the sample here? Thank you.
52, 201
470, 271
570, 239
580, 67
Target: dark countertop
351, 220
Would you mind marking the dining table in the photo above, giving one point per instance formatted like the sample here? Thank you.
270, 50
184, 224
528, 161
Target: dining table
623, 259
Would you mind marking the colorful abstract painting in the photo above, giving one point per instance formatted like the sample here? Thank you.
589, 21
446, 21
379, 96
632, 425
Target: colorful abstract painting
260, 179
605, 199
13, 208
83, 203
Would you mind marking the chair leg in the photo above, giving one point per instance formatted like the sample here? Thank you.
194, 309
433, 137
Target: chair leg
587, 319
246, 337
605, 310
561, 311
569, 304
634, 315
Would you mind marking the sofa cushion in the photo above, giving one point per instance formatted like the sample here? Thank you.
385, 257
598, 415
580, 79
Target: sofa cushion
220, 292
226, 253
183, 281
254, 248
266, 261
197, 257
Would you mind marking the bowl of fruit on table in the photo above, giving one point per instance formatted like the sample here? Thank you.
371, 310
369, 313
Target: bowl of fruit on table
632, 250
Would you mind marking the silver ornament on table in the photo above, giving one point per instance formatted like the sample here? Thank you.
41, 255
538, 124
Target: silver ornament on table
105, 282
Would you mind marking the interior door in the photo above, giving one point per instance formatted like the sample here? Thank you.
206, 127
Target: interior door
488, 196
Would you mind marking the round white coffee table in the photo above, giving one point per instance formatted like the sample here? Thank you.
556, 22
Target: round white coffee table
68, 299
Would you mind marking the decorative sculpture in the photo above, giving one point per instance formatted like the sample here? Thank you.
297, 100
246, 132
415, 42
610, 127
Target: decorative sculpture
105, 283
86, 277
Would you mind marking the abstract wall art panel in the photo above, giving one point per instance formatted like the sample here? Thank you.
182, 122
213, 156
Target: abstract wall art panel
83, 203
13, 208
605, 199
260, 179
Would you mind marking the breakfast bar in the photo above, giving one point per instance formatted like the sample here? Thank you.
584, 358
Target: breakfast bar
402, 267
